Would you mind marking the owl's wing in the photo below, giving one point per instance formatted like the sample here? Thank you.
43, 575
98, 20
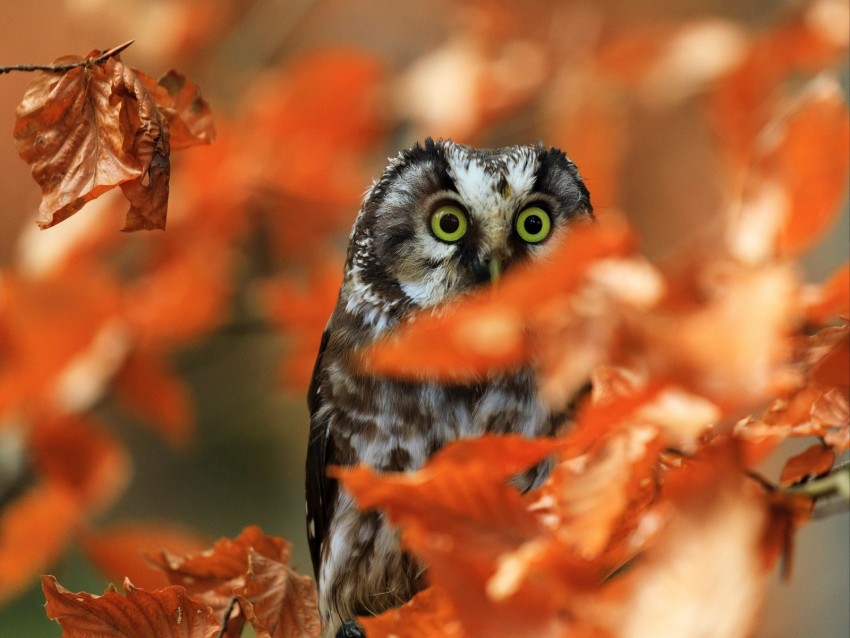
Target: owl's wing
319, 488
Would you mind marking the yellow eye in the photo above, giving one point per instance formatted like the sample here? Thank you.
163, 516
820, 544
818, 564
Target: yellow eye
533, 225
448, 223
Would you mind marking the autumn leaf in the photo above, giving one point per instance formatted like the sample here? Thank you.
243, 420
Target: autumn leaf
428, 615
119, 550
816, 460
34, 531
278, 602
68, 130
811, 163
149, 388
303, 311
459, 514
179, 100
275, 600
705, 568
96, 126
82, 457
487, 331
167, 613
831, 299
66, 368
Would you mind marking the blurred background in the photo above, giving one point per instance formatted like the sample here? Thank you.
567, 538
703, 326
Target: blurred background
182, 358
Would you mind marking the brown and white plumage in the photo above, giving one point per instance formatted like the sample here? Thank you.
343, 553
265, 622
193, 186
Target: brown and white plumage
399, 262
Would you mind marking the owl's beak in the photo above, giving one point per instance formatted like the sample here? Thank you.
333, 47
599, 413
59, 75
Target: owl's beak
495, 267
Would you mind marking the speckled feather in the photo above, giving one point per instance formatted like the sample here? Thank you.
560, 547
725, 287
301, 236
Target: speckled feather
395, 266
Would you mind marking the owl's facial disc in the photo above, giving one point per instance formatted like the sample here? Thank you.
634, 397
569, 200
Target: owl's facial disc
445, 218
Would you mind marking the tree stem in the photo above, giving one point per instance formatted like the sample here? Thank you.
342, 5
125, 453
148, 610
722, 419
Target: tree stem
62, 68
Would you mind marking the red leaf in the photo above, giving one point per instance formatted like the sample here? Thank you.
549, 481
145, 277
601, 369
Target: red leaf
167, 613
814, 461
63, 339
147, 194
705, 567
277, 601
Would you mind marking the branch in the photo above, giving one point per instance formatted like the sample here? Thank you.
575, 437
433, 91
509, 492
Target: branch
63, 68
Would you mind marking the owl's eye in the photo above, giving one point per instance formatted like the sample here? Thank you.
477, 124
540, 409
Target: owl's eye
533, 225
448, 223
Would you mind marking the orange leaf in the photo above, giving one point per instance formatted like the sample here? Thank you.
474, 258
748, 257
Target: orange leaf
118, 551
459, 514
34, 530
303, 311
213, 575
831, 299
45, 366
278, 602
488, 331
184, 293
428, 614
167, 613
704, 569
814, 461
148, 387
82, 457
812, 163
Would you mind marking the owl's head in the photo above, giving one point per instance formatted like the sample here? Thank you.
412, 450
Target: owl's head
446, 217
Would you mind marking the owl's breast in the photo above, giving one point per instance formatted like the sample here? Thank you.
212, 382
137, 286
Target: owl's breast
396, 425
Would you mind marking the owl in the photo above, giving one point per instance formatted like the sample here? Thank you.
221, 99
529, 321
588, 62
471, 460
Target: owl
442, 220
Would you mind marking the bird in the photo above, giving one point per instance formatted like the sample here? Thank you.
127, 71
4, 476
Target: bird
443, 219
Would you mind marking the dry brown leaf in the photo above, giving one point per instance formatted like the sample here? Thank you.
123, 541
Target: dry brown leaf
69, 129
188, 114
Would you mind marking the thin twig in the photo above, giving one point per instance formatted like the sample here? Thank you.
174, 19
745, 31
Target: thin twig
63, 68
227, 613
